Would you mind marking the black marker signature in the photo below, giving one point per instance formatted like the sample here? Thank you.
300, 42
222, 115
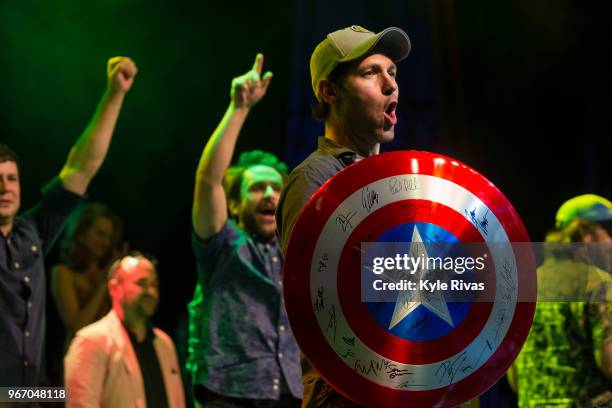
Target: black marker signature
449, 369
345, 220
392, 370
398, 184
368, 198
421, 324
487, 346
332, 324
323, 263
500, 318
480, 224
373, 368
349, 340
319, 304
506, 274
349, 353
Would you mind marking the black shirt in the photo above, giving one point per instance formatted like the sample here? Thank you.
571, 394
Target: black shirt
155, 389
23, 287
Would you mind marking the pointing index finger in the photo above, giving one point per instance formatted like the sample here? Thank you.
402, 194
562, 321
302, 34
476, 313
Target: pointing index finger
258, 64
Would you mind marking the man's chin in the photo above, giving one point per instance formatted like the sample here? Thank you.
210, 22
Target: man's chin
264, 230
267, 231
148, 311
386, 136
6, 213
6, 217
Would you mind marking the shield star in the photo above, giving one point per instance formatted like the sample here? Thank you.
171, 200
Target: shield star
408, 301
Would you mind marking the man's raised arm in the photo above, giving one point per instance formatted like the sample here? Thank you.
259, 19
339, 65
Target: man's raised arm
209, 201
89, 151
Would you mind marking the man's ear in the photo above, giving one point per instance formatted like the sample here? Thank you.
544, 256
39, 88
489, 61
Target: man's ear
327, 91
113, 287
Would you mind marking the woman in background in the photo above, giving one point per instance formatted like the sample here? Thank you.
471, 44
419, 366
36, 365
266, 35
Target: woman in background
93, 240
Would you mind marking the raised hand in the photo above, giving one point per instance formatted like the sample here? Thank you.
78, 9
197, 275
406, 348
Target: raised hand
121, 72
248, 89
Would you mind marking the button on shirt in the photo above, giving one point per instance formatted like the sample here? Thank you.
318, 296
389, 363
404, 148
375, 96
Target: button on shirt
22, 284
240, 340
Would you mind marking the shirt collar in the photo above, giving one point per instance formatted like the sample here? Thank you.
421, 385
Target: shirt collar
343, 153
259, 240
271, 245
148, 337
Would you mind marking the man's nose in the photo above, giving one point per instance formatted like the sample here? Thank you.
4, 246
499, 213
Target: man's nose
269, 191
153, 290
389, 85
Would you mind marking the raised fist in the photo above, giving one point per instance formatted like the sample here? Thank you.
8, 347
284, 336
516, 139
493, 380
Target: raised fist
121, 72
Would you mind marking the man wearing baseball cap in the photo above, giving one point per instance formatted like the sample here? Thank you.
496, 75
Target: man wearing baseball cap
567, 357
588, 207
353, 76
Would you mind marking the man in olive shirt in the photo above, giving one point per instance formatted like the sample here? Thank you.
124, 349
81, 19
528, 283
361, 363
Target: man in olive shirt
354, 79
27, 238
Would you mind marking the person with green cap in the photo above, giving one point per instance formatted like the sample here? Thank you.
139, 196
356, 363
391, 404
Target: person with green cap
588, 207
353, 73
567, 358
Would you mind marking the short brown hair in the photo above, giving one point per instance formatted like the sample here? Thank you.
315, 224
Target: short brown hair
6, 154
320, 111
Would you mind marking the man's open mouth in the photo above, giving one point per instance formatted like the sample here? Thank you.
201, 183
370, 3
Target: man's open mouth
267, 211
390, 113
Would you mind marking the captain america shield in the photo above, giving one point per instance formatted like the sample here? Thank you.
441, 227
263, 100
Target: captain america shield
411, 351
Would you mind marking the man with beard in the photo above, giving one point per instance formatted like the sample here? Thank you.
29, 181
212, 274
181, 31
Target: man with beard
25, 239
353, 76
122, 360
242, 350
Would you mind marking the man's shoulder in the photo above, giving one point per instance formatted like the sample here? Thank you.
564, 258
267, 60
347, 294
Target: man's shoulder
163, 337
318, 166
99, 331
24, 226
317, 159
228, 234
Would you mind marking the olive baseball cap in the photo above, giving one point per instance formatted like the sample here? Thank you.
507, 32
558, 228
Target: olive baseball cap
589, 207
352, 43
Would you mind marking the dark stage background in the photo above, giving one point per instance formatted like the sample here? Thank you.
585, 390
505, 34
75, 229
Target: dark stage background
519, 90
